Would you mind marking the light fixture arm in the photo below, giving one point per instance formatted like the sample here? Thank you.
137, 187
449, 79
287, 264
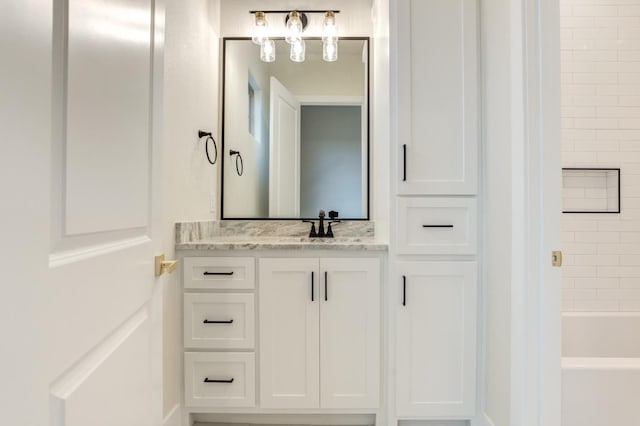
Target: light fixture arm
297, 10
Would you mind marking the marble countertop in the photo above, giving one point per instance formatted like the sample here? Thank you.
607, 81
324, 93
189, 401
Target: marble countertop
268, 236
281, 243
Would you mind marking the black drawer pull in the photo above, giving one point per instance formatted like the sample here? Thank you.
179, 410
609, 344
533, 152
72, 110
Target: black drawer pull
404, 290
218, 273
312, 287
208, 380
404, 162
437, 226
206, 321
326, 296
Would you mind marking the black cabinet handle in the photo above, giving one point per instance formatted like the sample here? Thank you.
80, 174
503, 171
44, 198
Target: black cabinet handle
206, 321
326, 296
437, 226
404, 290
218, 273
208, 380
312, 289
404, 162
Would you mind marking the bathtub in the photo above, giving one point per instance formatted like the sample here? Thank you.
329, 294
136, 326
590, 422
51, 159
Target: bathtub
601, 369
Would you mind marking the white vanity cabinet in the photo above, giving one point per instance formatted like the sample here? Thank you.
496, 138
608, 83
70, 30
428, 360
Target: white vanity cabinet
436, 339
319, 332
275, 329
437, 97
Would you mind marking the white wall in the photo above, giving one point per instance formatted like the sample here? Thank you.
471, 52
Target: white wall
600, 50
190, 103
380, 105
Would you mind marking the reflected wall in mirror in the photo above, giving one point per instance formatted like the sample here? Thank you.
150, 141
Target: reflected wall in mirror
301, 129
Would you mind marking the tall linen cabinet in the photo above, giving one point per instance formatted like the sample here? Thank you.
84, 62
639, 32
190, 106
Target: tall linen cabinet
435, 180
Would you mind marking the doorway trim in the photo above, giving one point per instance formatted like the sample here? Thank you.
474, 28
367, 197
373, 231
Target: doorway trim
536, 298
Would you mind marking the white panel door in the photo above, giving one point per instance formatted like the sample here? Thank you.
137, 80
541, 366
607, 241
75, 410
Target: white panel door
289, 333
350, 333
437, 112
436, 339
103, 317
284, 152
25, 118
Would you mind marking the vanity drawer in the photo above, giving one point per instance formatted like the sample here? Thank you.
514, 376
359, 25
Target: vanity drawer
219, 273
219, 379
219, 321
437, 225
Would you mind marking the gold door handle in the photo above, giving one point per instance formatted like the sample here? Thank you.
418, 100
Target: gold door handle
164, 266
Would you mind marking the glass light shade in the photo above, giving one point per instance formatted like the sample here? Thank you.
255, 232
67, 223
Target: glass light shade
329, 29
294, 28
330, 50
268, 51
297, 51
260, 28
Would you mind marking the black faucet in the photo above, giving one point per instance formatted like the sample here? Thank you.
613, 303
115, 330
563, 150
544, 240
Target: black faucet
321, 233
321, 224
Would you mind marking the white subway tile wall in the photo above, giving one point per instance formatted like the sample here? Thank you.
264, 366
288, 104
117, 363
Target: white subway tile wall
600, 59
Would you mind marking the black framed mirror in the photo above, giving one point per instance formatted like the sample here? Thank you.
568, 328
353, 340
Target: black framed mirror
300, 128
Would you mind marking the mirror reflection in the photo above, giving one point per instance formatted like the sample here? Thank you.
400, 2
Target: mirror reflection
301, 130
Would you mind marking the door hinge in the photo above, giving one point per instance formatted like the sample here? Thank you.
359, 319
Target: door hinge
556, 258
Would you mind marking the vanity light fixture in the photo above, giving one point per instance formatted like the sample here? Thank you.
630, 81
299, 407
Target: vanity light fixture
295, 26
330, 50
295, 23
329, 37
329, 30
260, 29
268, 51
297, 51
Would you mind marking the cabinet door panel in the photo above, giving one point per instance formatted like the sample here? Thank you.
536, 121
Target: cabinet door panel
349, 333
436, 339
289, 333
437, 96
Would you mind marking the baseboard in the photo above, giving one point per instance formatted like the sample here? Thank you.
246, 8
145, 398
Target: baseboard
280, 419
173, 418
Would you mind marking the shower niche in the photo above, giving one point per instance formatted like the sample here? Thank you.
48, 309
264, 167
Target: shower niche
590, 190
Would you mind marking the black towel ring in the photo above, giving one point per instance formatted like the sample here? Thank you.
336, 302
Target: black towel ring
239, 162
209, 137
